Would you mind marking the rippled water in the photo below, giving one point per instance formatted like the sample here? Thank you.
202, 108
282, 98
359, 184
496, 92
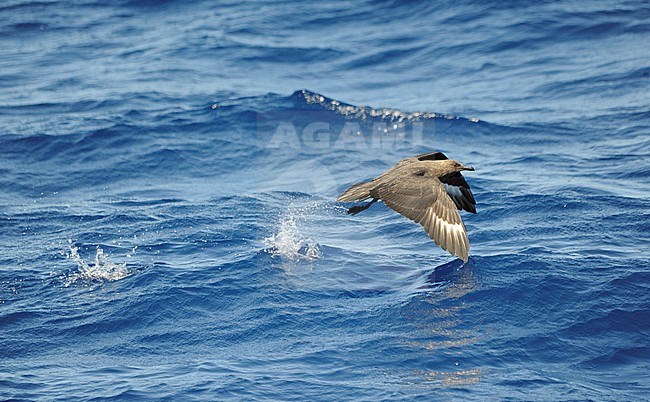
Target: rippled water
167, 214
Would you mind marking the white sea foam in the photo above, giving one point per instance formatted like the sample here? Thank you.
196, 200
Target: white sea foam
290, 240
364, 112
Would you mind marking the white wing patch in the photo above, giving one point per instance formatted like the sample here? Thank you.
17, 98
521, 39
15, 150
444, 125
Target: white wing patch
453, 191
455, 194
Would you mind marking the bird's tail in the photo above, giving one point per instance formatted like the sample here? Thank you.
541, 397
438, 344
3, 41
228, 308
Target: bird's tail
358, 192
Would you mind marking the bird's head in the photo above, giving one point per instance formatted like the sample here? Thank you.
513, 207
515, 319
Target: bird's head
454, 166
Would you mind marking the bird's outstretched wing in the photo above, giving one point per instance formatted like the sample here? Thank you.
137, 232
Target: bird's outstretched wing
458, 189
432, 156
424, 200
454, 183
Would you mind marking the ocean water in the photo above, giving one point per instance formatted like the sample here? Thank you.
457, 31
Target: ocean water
168, 224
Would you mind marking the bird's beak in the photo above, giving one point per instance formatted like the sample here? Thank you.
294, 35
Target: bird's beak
468, 168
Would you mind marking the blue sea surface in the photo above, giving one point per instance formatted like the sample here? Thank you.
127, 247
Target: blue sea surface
168, 223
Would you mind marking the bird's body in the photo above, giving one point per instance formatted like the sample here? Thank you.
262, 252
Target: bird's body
427, 189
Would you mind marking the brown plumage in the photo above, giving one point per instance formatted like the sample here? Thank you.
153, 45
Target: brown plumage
427, 189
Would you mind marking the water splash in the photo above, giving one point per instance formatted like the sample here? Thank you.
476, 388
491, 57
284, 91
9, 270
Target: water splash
101, 270
290, 241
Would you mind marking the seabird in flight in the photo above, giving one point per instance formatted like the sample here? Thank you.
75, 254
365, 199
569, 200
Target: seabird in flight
427, 189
